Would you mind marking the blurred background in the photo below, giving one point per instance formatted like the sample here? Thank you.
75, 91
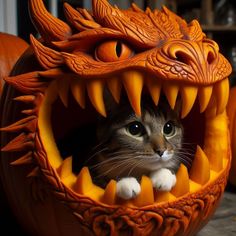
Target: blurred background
217, 17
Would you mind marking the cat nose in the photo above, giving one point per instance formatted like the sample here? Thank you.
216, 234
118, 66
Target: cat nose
159, 152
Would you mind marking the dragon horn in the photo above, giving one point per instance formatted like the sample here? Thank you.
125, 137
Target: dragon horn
49, 27
102, 8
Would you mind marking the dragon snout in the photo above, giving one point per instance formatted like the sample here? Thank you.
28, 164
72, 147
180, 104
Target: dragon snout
192, 61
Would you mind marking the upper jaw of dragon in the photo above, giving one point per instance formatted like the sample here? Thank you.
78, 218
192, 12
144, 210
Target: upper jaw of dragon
208, 160
134, 81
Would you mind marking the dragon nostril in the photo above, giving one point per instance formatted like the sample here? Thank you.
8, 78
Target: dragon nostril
182, 57
210, 57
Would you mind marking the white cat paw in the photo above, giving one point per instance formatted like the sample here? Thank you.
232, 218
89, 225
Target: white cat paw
128, 188
163, 179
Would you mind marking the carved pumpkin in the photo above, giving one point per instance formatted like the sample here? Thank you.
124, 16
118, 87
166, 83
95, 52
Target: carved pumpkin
128, 51
231, 109
11, 47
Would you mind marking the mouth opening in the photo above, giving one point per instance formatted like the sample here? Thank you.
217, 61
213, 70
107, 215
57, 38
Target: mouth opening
69, 126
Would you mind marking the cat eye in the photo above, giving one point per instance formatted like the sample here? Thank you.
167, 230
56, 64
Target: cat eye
113, 50
136, 129
169, 129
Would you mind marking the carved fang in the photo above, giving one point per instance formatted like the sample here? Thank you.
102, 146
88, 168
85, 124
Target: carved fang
171, 91
65, 168
63, 89
133, 83
204, 96
95, 93
65, 172
115, 87
188, 94
146, 196
84, 182
78, 91
50, 28
162, 196
182, 185
109, 196
85, 186
154, 87
200, 170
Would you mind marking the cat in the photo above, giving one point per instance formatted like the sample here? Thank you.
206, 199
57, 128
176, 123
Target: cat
130, 146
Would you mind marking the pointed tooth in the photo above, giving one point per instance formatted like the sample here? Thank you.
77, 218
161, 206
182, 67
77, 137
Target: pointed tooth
109, 196
84, 181
188, 95
78, 91
182, 185
95, 93
171, 91
115, 87
63, 89
65, 168
146, 196
221, 92
154, 87
133, 83
84, 185
162, 196
204, 96
200, 170
194, 187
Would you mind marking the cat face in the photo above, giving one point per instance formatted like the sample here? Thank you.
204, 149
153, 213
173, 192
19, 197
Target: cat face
137, 145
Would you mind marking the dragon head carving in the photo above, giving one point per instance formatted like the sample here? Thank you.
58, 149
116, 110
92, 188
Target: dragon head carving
140, 53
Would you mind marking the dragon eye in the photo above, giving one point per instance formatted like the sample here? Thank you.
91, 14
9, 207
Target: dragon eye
113, 50
169, 129
136, 129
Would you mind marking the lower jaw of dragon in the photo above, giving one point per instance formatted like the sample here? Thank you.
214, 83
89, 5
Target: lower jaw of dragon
211, 156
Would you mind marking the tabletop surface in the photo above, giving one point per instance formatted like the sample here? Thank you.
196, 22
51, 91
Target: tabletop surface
224, 220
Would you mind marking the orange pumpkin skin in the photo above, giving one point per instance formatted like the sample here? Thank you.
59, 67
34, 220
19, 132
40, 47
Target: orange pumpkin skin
46, 197
231, 108
11, 48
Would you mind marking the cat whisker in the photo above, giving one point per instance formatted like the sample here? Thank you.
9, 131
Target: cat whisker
184, 161
95, 154
113, 167
136, 165
110, 160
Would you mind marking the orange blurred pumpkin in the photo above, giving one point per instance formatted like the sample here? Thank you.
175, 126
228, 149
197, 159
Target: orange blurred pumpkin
59, 84
11, 48
231, 111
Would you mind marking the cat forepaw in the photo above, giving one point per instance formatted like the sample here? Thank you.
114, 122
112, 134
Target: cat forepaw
128, 188
163, 180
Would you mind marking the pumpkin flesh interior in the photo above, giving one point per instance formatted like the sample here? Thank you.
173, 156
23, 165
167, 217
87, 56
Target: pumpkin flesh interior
210, 124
